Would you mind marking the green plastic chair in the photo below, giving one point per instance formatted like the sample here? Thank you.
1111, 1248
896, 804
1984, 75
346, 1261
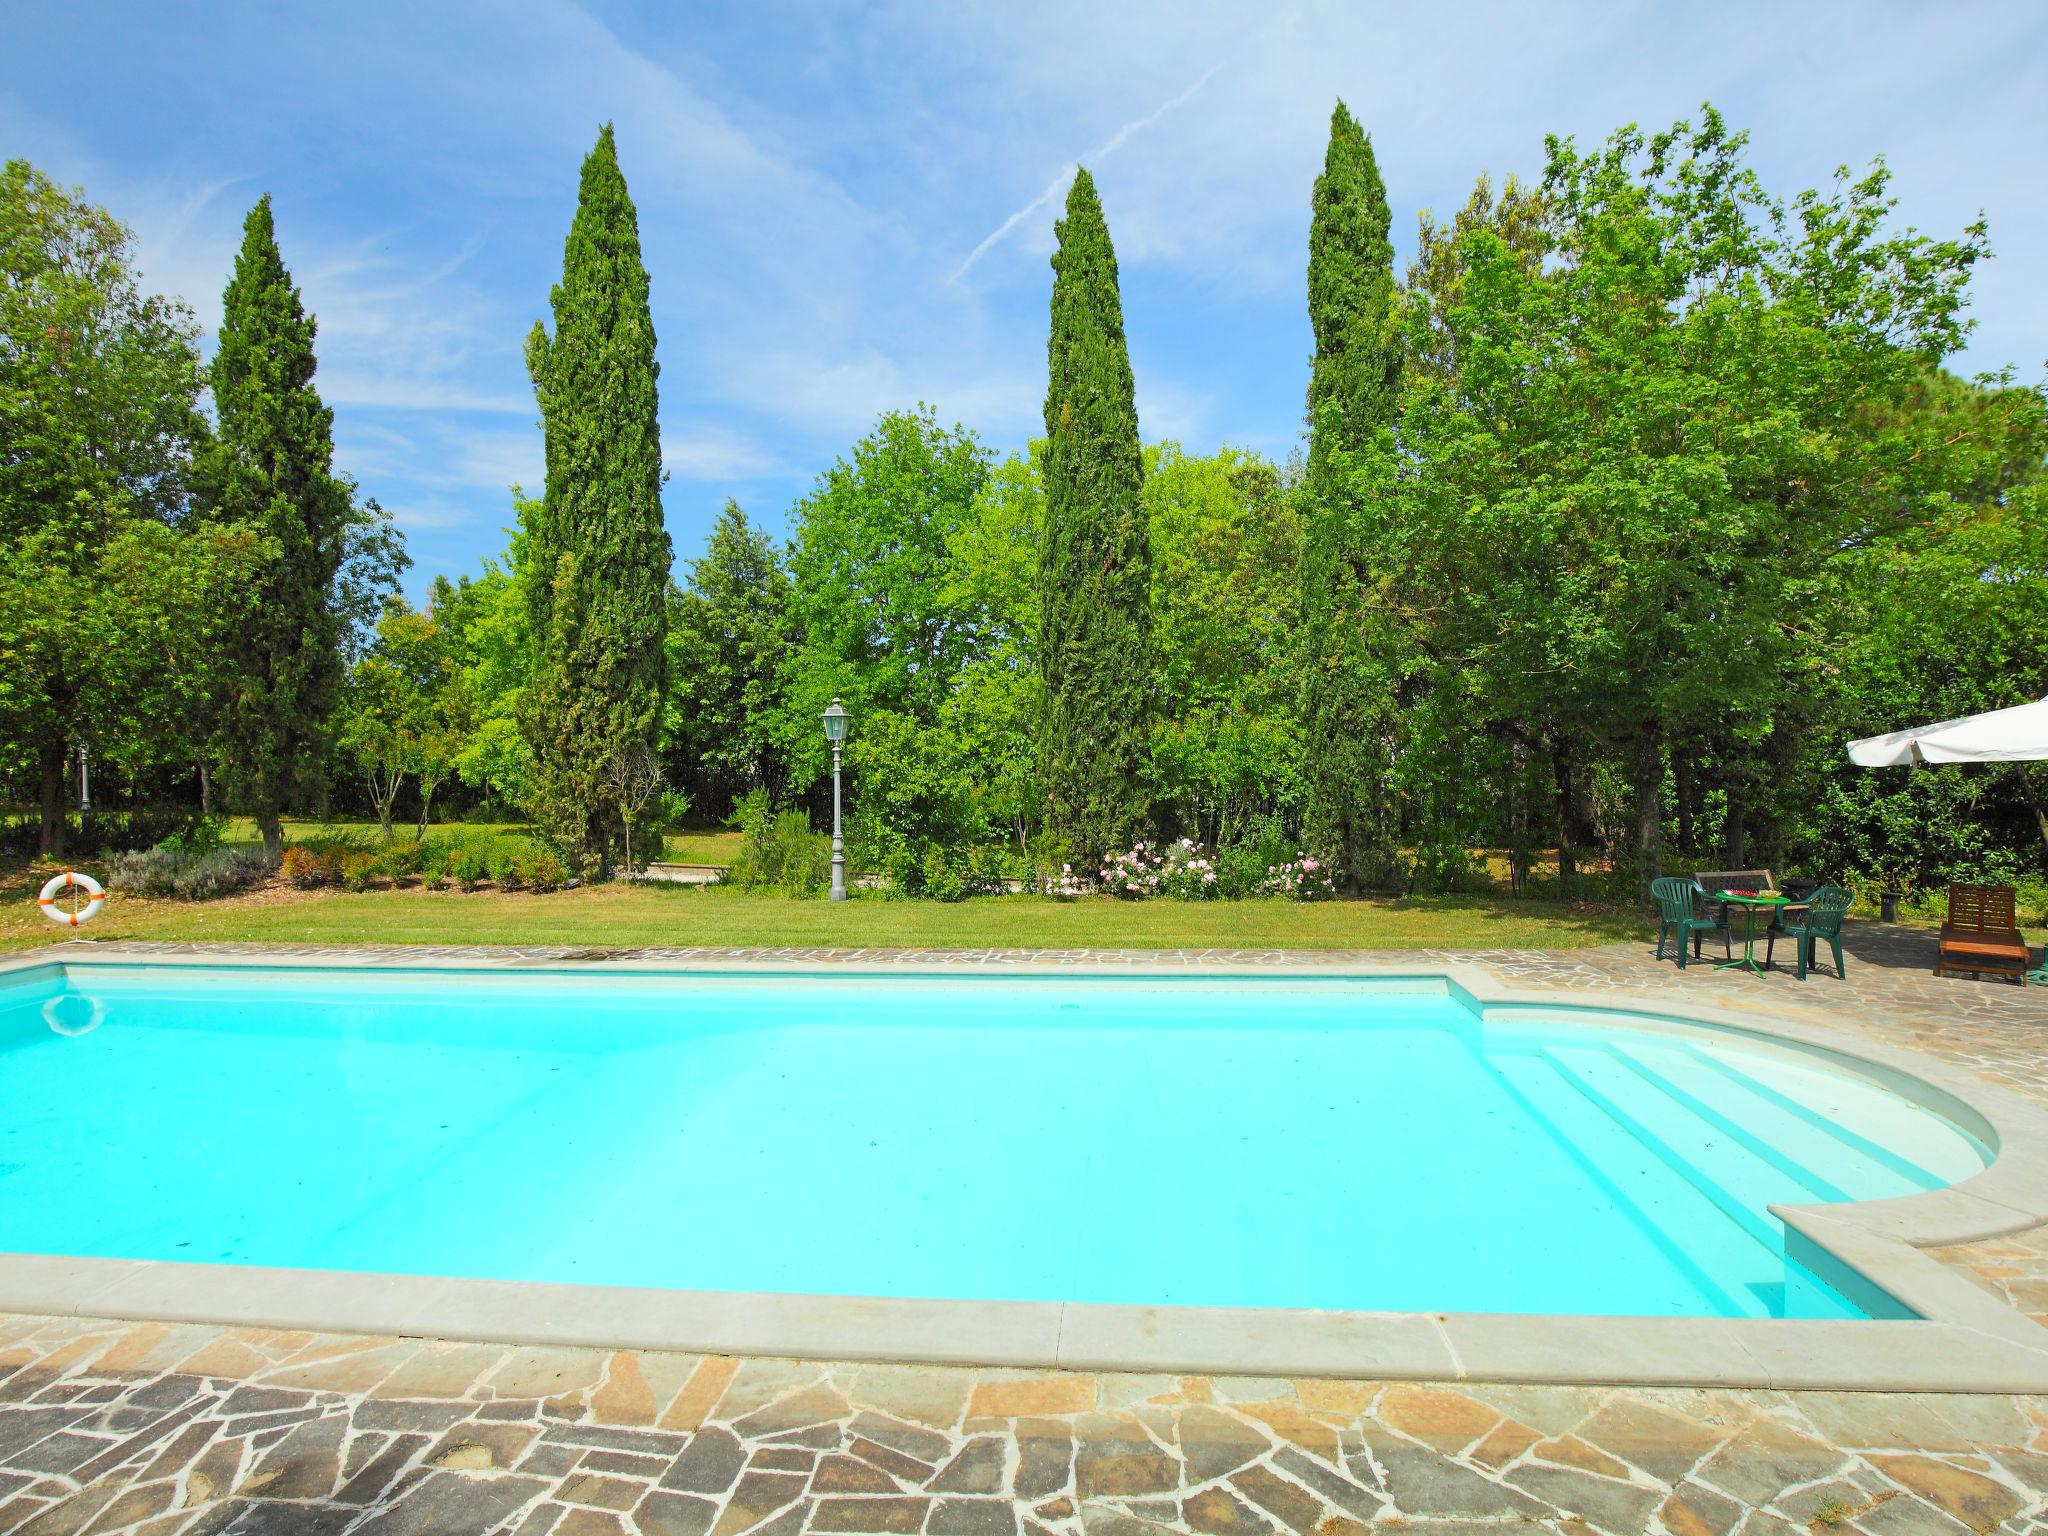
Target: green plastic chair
1825, 909
1675, 914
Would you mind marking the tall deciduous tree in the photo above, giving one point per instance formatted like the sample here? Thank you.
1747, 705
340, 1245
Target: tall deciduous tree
99, 384
272, 470
1094, 573
727, 637
597, 547
1347, 679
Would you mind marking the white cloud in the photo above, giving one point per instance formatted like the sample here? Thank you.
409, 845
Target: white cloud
713, 453
1057, 187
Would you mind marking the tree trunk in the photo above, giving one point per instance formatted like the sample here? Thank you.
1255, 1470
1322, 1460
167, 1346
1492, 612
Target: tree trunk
1567, 868
1518, 823
1681, 771
205, 790
50, 837
2033, 800
1734, 846
272, 827
1649, 788
427, 789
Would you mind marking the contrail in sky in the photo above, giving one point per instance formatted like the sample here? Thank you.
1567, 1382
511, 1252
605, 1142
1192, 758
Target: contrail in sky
1058, 185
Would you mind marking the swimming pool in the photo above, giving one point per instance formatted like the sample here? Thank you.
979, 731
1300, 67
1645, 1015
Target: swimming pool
1199, 1142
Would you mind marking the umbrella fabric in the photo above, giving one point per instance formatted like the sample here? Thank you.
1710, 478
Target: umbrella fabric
2015, 735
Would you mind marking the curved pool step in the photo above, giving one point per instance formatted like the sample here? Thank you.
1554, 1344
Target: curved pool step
1728, 1166
1725, 1262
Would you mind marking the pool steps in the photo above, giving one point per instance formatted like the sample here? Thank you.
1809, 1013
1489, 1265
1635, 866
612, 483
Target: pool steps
1717, 1135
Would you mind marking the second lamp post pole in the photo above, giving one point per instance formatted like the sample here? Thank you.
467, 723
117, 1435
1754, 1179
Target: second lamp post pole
835, 732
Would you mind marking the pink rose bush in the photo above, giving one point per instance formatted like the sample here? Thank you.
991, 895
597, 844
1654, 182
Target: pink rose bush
1303, 879
1182, 871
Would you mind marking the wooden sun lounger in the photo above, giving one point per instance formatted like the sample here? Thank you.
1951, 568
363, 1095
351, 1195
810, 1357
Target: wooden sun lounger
1982, 933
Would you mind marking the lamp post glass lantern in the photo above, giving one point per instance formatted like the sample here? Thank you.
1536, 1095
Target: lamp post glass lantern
836, 719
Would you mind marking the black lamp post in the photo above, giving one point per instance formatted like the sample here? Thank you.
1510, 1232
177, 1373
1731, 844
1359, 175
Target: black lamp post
835, 732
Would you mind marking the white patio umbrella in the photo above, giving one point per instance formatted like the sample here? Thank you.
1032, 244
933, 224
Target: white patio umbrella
2015, 735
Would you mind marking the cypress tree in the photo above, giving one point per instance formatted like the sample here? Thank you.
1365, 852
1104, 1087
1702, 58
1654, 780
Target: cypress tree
1094, 565
272, 469
598, 549
1347, 706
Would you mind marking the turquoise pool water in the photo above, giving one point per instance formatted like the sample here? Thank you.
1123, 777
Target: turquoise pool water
1274, 1143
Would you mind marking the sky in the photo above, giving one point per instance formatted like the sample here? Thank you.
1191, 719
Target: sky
849, 209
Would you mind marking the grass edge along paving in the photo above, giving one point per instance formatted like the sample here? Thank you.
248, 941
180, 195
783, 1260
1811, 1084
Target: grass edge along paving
646, 914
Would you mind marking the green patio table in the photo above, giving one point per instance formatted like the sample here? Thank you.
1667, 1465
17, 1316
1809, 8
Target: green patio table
1765, 905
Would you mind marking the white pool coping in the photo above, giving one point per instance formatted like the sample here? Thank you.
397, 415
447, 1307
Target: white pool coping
1964, 1339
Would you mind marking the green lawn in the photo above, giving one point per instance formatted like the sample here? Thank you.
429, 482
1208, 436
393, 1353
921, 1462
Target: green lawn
653, 914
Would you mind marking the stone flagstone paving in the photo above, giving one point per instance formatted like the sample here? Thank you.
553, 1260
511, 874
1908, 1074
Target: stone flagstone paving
156, 1428
151, 1428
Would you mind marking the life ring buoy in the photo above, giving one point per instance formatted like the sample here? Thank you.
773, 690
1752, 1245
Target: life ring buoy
71, 879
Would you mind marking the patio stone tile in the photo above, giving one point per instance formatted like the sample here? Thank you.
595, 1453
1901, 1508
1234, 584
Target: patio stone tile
900, 1515
1766, 1458
1045, 1458
601, 1492
848, 1474
500, 1445
1286, 1501
972, 1517
820, 1403
1444, 1420
1622, 1508
755, 1383
1214, 1443
978, 1467
1335, 1488
932, 1396
1691, 1510
623, 1396
445, 1502
1287, 1421
546, 1372
134, 1506
442, 1370
755, 1497
910, 1440
674, 1514
1219, 1512
1978, 1501
1033, 1396
1115, 1458
710, 1463
375, 1477
306, 1464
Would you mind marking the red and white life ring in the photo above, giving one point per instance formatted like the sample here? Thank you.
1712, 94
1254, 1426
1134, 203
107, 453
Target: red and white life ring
71, 879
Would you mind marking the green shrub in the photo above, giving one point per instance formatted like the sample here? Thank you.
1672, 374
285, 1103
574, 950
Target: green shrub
503, 860
358, 870
202, 836
302, 868
1249, 858
672, 809
540, 870
185, 877
434, 861
988, 869
944, 877
402, 860
470, 866
778, 850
